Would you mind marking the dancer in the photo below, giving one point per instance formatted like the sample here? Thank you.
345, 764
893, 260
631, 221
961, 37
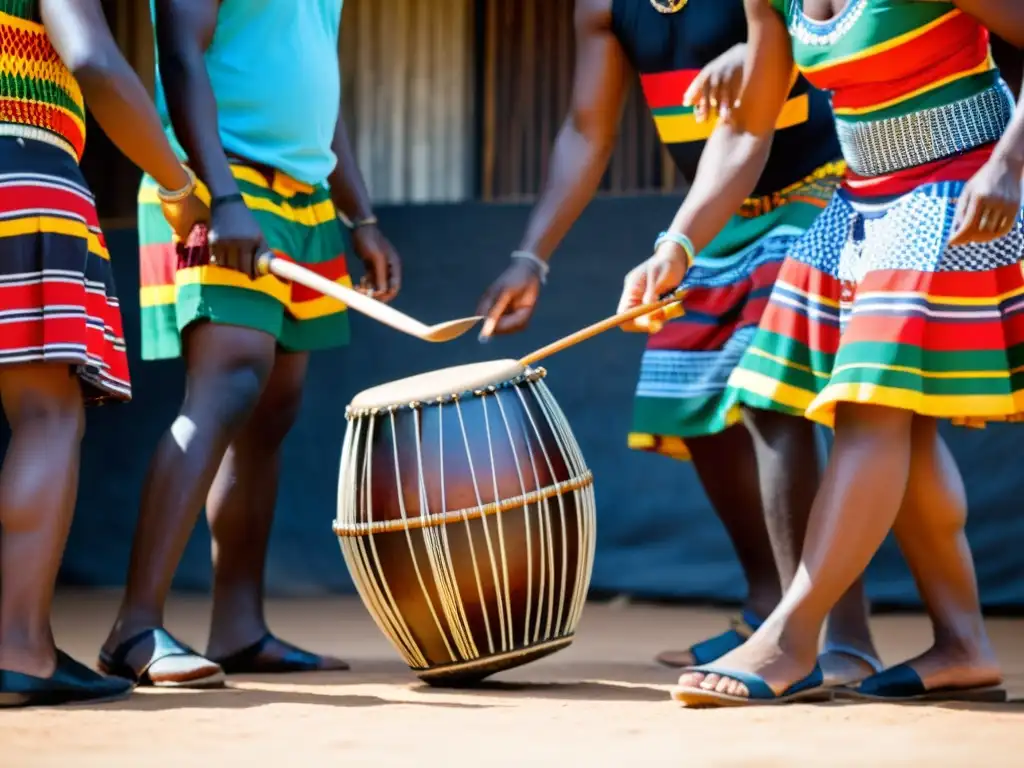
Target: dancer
765, 469
262, 127
62, 344
892, 312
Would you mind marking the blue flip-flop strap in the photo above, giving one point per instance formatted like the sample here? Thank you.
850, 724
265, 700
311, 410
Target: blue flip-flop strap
715, 647
900, 681
756, 685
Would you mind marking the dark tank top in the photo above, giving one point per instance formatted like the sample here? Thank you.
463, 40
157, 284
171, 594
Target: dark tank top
669, 50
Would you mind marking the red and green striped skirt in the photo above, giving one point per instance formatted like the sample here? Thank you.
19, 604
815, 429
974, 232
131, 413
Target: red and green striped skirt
180, 287
872, 306
58, 303
683, 389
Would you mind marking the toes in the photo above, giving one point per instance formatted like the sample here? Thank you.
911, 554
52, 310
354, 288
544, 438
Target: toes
692, 679
710, 682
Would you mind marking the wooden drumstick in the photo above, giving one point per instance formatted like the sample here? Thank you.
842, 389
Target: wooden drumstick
669, 303
378, 310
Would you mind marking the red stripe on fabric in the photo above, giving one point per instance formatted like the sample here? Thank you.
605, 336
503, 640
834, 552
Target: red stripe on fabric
959, 168
959, 43
666, 89
19, 196
333, 269
158, 264
43, 116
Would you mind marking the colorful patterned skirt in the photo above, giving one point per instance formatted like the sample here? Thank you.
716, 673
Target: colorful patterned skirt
179, 286
872, 306
683, 387
57, 297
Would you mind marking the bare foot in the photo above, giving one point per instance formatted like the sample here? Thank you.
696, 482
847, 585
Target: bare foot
761, 657
36, 662
949, 667
842, 667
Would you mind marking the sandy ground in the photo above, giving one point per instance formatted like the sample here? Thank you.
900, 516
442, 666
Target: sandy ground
601, 702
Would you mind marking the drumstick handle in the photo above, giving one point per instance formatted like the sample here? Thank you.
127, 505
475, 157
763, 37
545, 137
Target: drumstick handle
289, 270
600, 327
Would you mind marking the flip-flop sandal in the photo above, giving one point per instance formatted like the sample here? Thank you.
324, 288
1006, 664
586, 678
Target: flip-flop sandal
901, 683
706, 651
70, 683
810, 688
854, 653
255, 660
135, 658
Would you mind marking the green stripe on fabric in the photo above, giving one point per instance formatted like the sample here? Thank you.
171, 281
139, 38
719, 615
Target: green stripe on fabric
741, 232
911, 356
672, 111
153, 227
896, 379
22, 9
937, 97
328, 332
38, 89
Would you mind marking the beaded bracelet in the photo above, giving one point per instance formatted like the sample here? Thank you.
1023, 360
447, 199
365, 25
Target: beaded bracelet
177, 195
682, 241
542, 266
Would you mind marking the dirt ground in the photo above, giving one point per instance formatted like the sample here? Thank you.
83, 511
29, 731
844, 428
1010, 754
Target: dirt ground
601, 702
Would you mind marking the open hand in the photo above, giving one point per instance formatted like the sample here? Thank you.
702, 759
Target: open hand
989, 204
716, 89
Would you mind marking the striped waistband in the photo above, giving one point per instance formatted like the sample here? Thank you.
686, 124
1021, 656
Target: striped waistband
31, 132
759, 206
278, 181
879, 147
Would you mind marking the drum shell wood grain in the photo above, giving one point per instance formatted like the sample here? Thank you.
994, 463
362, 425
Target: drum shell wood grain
514, 574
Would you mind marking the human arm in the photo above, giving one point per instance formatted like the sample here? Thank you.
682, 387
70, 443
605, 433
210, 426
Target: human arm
383, 277
184, 30
991, 201
733, 158
579, 157
118, 100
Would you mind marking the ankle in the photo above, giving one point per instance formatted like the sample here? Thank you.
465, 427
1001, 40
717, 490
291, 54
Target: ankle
131, 621
38, 660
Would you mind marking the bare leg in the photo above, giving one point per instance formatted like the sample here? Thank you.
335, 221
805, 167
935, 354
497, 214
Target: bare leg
726, 465
38, 487
930, 532
240, 510
228, 367
788, 466
849, 521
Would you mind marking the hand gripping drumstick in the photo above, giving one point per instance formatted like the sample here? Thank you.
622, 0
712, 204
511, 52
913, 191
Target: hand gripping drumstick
379, 311
670, 303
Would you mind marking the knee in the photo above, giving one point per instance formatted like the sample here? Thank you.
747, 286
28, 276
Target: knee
55, 412
277, 413
227, 396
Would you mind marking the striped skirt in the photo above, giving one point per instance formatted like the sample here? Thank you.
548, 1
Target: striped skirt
872, 306
57, 298
683, 389
179, 286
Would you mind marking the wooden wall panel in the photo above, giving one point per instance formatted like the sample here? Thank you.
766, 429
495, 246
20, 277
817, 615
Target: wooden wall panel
527, 70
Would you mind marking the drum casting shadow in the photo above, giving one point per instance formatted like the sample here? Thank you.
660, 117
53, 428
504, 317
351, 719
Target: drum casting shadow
466, 518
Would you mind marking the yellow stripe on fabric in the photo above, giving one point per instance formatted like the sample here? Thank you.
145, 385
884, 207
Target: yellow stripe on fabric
956, 301
308, 215
53, 225
772, 389
986, 66
888, 45
680, 129
922, 373
788, 363
996, 407
18, 23
157, 295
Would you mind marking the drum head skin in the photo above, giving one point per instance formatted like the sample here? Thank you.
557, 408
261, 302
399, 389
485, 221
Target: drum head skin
427, 387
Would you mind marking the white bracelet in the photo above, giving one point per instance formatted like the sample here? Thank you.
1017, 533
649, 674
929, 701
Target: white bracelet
542, 266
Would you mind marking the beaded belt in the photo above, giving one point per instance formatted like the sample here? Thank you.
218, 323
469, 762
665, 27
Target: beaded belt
878, 147
19, 131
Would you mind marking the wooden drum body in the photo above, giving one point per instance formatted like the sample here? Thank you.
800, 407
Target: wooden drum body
466, 518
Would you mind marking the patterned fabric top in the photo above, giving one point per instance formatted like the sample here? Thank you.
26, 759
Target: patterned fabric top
36, 90
669, 50
888, 58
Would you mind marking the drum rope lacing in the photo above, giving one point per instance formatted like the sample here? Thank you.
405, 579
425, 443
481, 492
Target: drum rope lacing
357, 538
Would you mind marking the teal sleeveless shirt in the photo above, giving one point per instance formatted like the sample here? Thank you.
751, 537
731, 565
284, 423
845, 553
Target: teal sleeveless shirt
273, 65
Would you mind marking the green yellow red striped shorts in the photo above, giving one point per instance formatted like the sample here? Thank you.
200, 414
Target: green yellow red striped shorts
179, 286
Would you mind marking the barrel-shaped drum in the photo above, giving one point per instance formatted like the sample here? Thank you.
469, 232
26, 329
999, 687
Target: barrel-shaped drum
466, 518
